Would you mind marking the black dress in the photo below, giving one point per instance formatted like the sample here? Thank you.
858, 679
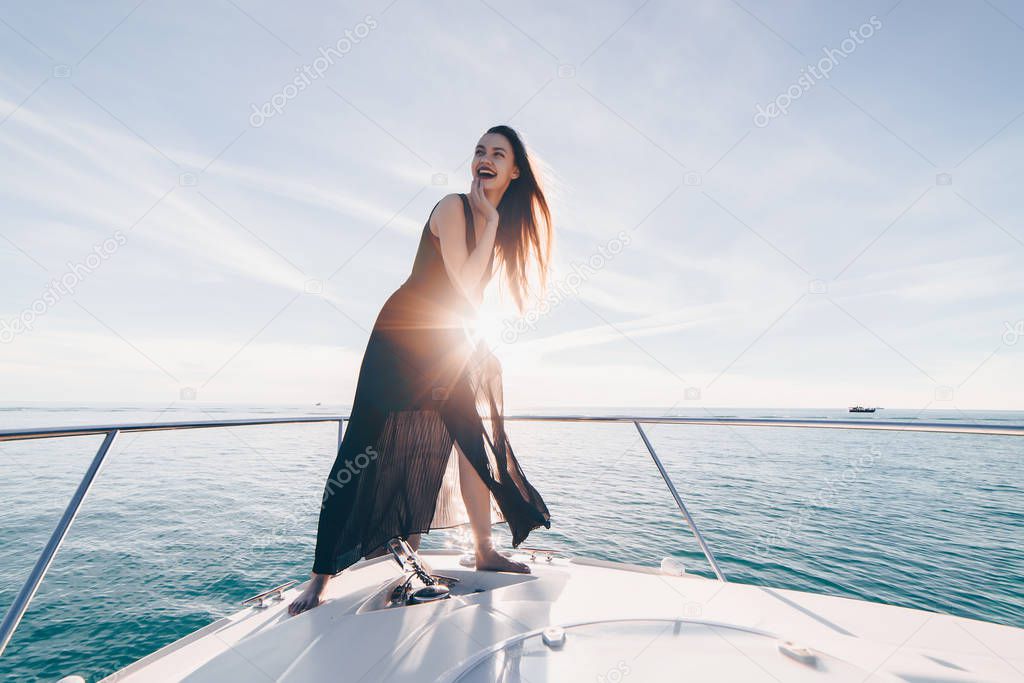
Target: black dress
425, 383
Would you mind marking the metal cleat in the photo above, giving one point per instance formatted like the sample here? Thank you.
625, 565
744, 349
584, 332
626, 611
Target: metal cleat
276, 593
549, 553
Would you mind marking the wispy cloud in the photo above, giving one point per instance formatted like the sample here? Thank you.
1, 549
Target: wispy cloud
645, 127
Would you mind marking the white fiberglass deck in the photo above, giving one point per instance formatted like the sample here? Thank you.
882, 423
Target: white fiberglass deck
619, 622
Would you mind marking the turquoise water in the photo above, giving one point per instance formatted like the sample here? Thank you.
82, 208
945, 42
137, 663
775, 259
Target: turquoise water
181, 526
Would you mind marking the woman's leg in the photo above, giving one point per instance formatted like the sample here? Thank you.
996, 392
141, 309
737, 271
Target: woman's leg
336, 506
312, 596
314, 592
477, 498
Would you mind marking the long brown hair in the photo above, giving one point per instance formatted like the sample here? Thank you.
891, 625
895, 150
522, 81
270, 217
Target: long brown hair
525, 237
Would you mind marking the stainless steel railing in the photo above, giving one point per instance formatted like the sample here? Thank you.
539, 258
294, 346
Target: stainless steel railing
24, 597
110, 432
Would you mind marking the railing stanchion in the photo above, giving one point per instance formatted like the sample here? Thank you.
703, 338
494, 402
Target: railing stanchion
341, 433
28, 591
682, 506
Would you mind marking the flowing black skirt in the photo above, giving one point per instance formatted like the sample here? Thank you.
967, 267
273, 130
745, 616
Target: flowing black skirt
425, 384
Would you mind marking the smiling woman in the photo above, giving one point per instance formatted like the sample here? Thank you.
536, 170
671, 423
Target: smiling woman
427, 420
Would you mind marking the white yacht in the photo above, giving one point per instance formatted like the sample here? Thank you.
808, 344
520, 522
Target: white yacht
429, 616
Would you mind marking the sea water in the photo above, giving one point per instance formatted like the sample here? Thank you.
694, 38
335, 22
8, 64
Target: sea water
183, 525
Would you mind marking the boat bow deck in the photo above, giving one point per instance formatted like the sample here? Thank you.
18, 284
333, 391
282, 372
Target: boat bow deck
618, 621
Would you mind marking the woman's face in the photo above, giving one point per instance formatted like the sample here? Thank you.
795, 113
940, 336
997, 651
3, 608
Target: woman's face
493, 162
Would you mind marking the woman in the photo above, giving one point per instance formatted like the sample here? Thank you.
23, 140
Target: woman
427, 417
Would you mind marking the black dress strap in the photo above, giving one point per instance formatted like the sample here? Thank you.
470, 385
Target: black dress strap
470, 224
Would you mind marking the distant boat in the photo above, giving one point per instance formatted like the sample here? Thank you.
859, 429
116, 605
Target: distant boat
861, 409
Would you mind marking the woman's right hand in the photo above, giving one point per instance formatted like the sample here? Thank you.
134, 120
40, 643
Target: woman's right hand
479, 201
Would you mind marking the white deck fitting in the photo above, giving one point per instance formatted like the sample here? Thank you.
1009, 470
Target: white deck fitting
621, 623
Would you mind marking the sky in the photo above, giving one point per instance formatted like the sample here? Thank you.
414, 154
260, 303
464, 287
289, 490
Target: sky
756, 204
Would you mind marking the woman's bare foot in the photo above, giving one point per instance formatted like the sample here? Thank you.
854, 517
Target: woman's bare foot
489, 559
312, 596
